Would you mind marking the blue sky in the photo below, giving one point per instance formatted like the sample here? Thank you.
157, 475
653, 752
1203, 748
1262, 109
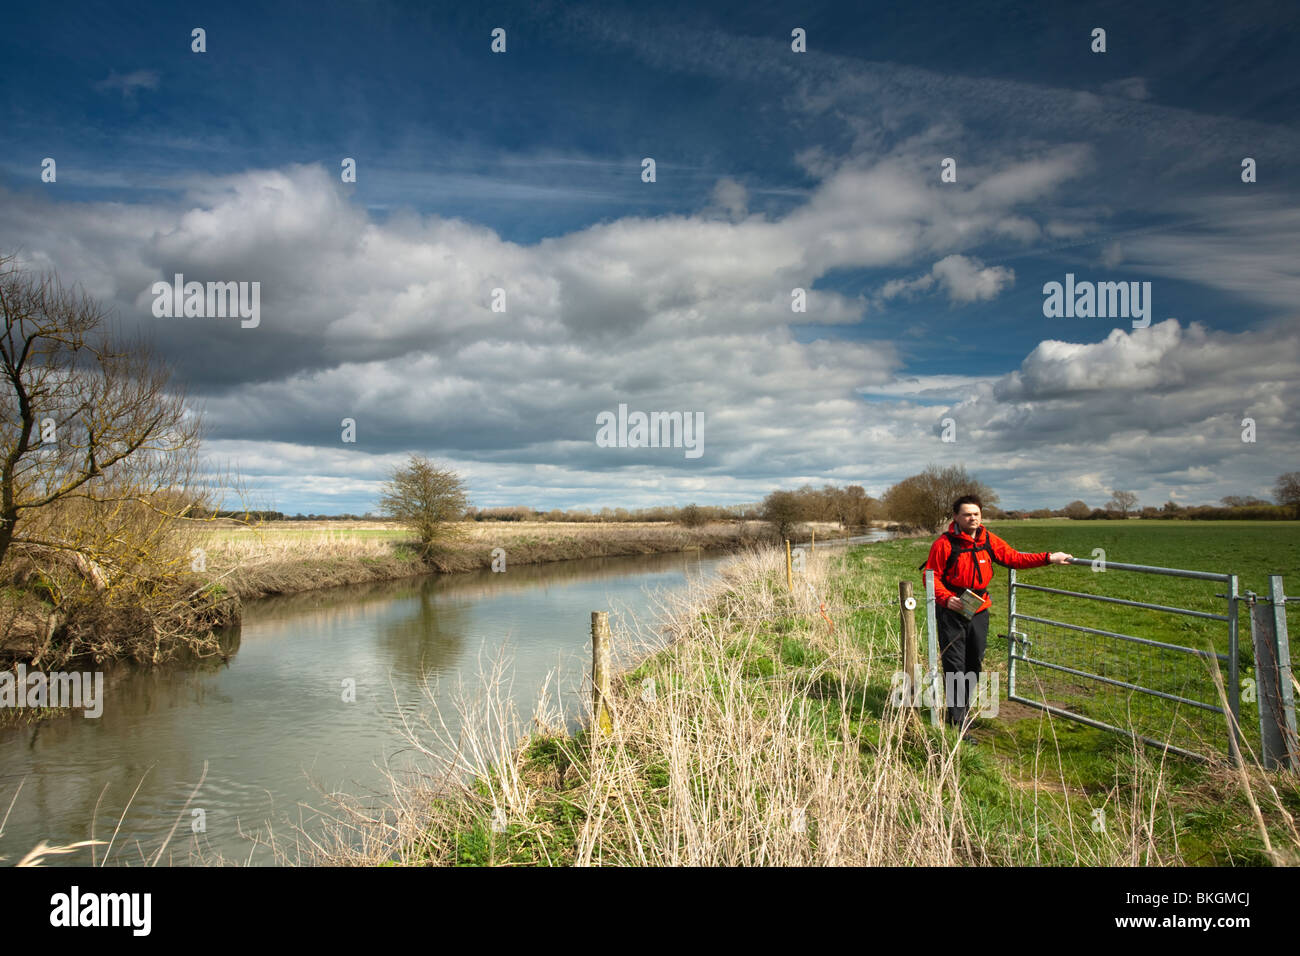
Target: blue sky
775, 170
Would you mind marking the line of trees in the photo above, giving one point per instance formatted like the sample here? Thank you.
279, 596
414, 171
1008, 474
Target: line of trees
701, 513
432, 502
1252, 509
1231, 507
922, 501
848, 506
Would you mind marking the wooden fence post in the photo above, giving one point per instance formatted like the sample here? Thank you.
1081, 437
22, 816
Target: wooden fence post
600, 671
789, 575
907, 620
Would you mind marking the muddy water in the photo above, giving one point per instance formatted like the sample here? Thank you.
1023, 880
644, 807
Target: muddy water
310, 700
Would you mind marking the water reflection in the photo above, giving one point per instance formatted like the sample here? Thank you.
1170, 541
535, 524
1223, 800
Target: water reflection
271, 720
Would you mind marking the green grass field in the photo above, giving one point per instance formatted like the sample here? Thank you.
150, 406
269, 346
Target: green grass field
764, 703
1252, 550
1089, 757
762, 706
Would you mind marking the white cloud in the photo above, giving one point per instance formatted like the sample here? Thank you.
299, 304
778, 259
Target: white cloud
731, 198
1240, 243
966, 280
962, 279
390, 323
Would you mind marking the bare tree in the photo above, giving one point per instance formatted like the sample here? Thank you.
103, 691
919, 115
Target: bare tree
1242, 501
693, 516
862, 508
1077, 509
782, 509
925, 500
427, 499
98, 461
1287, 491
1122, 501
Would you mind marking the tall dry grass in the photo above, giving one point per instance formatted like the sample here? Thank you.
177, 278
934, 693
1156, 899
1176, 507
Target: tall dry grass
768, 741
763, 744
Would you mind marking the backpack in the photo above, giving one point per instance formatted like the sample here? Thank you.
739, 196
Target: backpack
960, 547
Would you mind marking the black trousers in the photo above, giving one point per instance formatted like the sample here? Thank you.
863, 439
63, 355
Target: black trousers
961, 645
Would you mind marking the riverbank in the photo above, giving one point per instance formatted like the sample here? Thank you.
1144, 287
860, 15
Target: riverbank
278, 696
763, 735
234, 563
288, 557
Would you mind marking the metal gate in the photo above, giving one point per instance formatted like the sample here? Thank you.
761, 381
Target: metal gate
1157, 691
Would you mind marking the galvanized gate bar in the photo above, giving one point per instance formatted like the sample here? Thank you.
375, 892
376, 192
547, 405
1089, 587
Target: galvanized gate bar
1123, 637
1111, 600
1233, 690
1284, 669
1277, 724
1102, 725
1012, 634
1263, 638
1120, 683
1234, 682
1150, 569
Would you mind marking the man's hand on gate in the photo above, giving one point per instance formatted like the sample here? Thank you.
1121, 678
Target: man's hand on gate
953, 604
1060, 557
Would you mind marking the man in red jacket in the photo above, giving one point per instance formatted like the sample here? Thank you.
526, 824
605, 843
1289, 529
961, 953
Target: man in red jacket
962, 559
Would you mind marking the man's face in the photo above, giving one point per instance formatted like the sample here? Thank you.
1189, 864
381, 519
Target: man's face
968, 518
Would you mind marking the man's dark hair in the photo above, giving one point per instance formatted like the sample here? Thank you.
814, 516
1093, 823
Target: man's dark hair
967, 500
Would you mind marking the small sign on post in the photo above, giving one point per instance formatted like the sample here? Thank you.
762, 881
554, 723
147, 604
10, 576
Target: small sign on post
907, 629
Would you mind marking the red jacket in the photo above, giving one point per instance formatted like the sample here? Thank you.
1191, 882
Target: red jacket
973, 569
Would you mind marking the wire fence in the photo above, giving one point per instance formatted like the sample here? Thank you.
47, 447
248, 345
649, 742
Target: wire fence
1170, 677
1149, 691
1175, 683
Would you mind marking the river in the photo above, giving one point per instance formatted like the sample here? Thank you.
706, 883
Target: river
310, 700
